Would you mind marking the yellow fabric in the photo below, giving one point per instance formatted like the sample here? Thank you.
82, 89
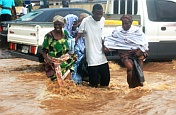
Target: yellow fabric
117, 22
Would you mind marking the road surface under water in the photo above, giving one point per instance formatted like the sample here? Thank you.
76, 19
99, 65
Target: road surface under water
25, 90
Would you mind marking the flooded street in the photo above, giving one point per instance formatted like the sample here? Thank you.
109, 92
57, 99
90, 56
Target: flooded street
25, 90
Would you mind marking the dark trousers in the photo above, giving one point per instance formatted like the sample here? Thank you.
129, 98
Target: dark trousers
99, 74
6, 17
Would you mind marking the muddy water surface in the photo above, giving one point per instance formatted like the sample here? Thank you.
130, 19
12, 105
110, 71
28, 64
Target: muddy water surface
25, 90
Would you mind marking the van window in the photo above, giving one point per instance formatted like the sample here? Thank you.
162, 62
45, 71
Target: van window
161, 10
125, 7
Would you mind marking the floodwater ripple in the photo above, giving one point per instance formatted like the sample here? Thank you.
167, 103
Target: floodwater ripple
26, 90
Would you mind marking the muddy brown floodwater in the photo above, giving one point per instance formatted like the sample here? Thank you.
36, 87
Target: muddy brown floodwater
25, 90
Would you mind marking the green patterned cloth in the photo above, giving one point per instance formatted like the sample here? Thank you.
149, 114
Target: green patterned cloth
56, 48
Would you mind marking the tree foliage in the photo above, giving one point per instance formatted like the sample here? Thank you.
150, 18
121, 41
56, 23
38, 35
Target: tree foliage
19, 2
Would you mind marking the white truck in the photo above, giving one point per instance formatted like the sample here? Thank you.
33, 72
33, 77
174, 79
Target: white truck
25, 40
157, 19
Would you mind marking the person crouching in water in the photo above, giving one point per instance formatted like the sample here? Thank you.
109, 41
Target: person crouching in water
59, 63
130, 42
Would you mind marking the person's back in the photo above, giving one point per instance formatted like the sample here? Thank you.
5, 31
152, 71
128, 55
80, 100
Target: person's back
7, 6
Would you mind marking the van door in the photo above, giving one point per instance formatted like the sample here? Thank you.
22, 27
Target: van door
163, 16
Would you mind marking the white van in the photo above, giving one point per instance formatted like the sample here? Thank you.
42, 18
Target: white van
157, 18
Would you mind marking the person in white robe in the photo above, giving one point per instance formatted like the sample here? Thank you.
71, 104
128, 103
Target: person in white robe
130, 42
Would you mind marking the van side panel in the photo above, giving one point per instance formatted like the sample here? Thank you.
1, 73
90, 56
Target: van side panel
160, 27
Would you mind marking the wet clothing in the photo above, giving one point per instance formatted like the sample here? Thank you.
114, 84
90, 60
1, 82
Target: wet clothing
78, 47
58, 50
79, 51
99, 74
128, 55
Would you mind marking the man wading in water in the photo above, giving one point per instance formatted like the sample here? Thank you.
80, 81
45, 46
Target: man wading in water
92, 28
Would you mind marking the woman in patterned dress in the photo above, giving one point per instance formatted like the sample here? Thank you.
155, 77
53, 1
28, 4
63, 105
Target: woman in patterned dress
58, 63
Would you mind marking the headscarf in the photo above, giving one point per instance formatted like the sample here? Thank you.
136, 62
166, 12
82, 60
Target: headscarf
70, 18
127, 18
59, 18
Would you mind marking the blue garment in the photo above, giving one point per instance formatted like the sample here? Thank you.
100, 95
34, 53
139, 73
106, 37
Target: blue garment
75, 76
70, 18
80, 44
7, 3
79, 50
79, 47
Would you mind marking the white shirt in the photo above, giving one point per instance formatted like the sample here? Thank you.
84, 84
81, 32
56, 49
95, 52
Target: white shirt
93, 40
24, 10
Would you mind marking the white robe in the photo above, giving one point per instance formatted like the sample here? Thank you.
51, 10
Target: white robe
133, 38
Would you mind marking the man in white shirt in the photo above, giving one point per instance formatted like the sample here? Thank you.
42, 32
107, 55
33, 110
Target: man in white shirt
24, 9
92, 27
